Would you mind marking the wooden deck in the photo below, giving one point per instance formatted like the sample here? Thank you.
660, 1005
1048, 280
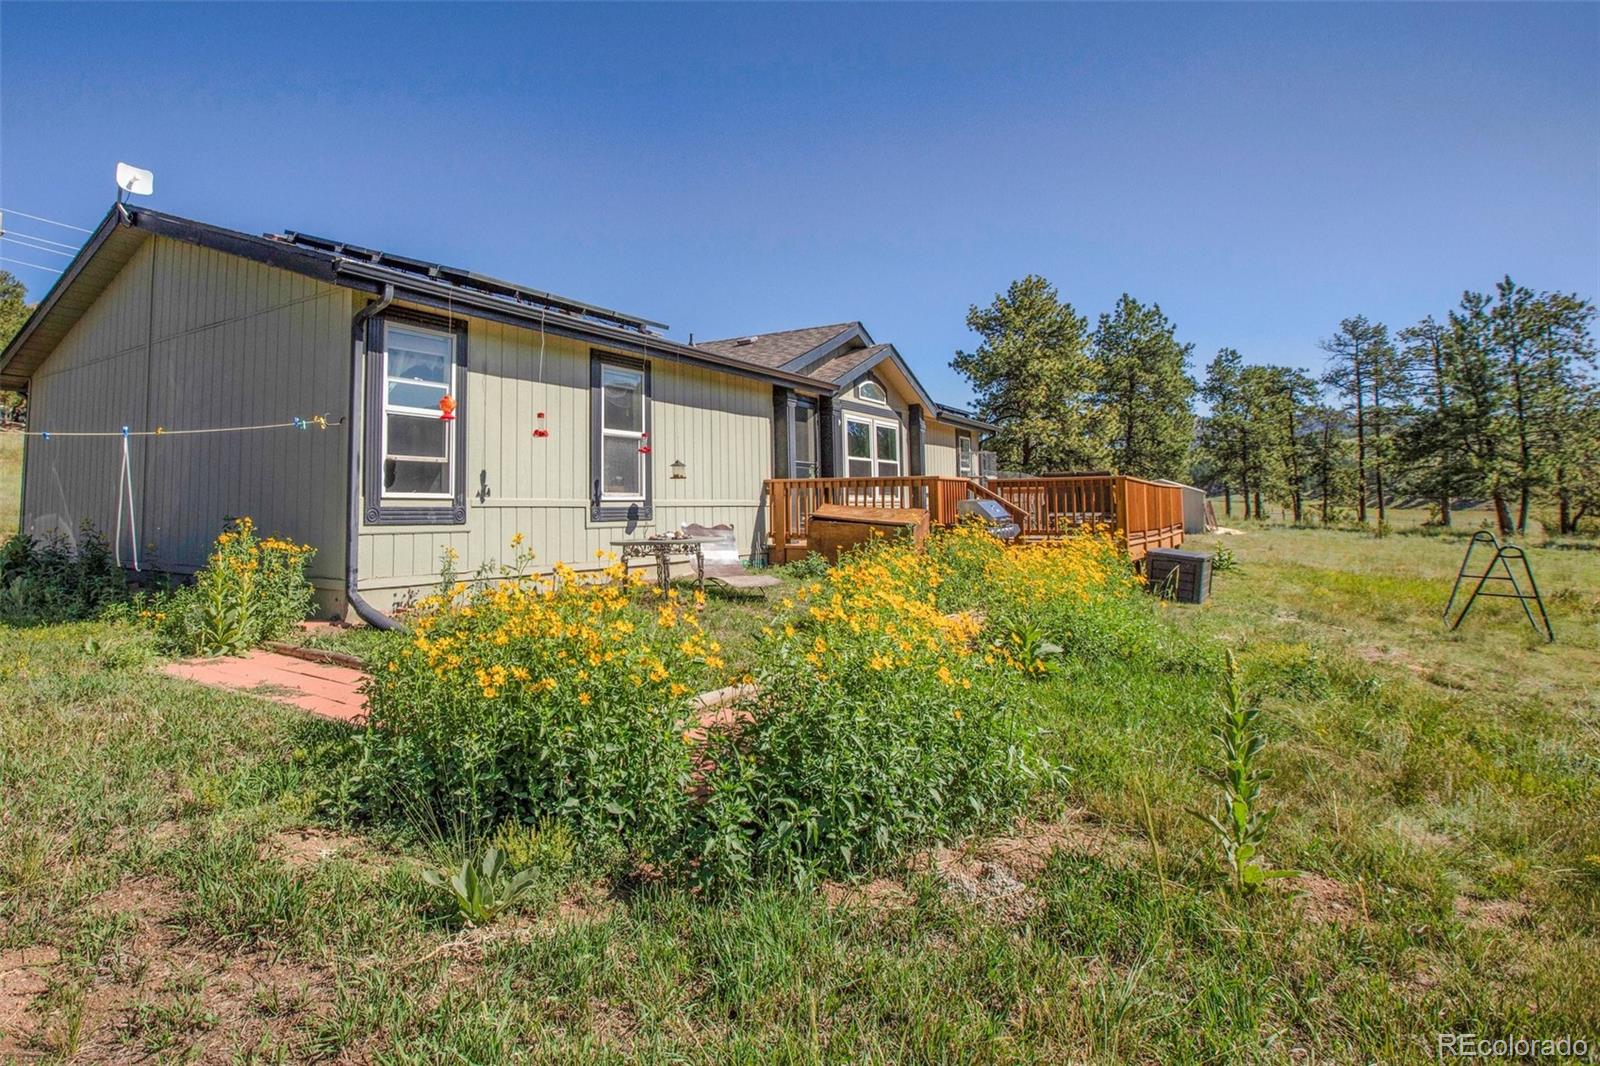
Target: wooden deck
1148, 514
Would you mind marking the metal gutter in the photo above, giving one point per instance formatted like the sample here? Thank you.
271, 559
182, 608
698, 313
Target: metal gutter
358, 357
952, 417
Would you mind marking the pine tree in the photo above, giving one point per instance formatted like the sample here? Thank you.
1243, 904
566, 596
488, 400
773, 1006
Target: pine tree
1287, 397
1261, 435
1366, 371
1328, 467
1225, 432
1144, 390
1430, 441
1541, 343
1478, 402
1577, 461
1034, 376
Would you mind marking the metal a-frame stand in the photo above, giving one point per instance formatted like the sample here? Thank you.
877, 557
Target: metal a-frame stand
1504, 555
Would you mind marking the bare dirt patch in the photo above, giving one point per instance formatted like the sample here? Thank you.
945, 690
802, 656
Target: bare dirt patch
24, 976
990, 885
1372, 654
158, 993
880, 893
307, 846
1325, 900
1030, 844
613, 1024
992, 872
1490, 913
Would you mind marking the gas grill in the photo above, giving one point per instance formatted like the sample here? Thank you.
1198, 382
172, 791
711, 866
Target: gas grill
995, 517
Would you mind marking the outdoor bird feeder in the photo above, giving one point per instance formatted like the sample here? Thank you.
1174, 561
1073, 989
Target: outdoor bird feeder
447, 409
678, 470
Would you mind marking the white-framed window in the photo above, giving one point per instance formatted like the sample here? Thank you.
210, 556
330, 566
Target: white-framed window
872, 392
620, 448
964, 454
418, 447
872, 447
621, 433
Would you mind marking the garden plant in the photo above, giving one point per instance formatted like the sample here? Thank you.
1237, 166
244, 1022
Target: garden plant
252, 589
541, 695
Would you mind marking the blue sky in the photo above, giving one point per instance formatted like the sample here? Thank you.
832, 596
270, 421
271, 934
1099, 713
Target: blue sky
1261, 171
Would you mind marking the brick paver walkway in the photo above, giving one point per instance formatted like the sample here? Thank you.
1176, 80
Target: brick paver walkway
334, 691
321, 688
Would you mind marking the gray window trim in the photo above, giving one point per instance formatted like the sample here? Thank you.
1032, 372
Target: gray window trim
378, 511
786, 433
808, 404
629, 511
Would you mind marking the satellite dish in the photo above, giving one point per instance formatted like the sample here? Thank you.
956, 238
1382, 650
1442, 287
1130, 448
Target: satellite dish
134, 181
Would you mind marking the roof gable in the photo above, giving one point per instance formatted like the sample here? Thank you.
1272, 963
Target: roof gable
853, 366
788, 349
842, 367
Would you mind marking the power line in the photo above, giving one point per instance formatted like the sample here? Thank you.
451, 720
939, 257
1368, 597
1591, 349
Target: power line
41, 240
21, 262
34, 247
41, 218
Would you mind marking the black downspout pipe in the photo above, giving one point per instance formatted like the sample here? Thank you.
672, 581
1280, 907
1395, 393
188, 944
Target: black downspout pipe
358, 350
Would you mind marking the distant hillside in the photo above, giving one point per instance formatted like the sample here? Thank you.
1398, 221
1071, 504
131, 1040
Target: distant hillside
10, 479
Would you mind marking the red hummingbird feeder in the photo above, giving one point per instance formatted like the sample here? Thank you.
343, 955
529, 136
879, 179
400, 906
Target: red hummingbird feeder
447, 409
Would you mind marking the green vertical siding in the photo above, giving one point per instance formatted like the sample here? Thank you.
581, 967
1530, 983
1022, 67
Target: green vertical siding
718, 424
186, 337
941, 449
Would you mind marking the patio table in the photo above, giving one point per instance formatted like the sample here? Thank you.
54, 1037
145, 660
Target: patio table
662, 549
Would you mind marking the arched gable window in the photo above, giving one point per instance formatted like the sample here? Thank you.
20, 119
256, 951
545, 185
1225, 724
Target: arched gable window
872, 392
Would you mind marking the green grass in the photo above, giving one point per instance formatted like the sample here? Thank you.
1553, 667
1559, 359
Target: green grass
10, 482
173, 867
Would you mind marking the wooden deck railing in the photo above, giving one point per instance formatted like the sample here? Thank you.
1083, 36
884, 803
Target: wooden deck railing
790, 501
1056, 504
1149, 514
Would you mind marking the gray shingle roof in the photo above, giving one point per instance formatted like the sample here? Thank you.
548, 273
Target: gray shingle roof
775, 349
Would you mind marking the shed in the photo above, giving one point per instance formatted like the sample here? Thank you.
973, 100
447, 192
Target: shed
1194, 506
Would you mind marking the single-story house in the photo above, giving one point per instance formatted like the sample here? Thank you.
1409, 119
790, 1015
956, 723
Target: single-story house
572, 424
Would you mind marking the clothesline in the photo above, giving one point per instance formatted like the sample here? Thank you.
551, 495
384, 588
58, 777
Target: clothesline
125, 499
314, 422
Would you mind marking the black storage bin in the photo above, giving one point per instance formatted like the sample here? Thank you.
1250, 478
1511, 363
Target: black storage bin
1179, 575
